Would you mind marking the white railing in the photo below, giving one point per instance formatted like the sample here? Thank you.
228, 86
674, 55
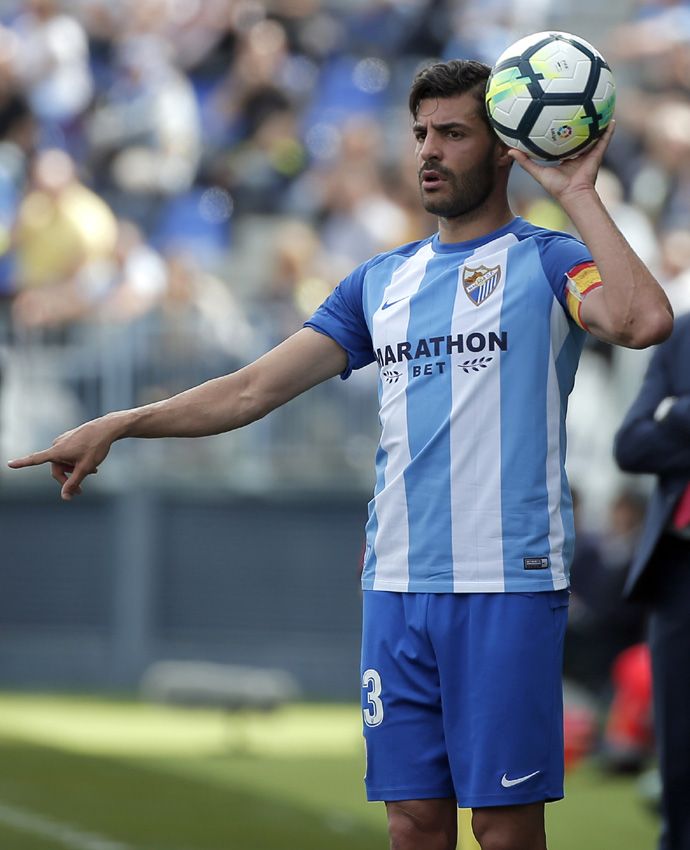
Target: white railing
55, 380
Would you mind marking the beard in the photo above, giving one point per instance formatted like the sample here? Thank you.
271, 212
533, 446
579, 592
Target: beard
464, 193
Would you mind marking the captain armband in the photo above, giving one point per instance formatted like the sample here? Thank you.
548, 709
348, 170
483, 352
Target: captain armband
580, 281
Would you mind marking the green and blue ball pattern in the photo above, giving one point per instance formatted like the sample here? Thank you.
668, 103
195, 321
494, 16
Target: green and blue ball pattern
551, 95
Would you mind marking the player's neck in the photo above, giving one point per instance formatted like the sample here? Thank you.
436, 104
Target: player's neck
475, 224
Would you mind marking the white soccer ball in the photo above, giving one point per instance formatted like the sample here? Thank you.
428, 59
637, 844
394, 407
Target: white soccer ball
550, 95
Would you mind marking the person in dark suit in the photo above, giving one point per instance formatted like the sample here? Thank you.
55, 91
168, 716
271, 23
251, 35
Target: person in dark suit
655, 438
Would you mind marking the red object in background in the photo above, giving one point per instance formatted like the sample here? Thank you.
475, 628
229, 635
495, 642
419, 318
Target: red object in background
681, 515
629, 723
579, 732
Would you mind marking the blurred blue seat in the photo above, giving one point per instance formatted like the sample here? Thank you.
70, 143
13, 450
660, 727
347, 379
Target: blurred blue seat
192, 222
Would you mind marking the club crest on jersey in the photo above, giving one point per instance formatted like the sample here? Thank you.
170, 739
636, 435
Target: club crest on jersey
479, 283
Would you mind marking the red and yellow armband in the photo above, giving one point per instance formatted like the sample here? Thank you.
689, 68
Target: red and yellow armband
580, 281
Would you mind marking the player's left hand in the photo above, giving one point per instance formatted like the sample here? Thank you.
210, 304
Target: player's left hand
571, 176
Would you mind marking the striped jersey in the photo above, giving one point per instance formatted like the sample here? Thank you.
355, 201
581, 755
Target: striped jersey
477, 345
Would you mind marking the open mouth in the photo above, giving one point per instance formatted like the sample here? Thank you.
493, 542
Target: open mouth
431, 179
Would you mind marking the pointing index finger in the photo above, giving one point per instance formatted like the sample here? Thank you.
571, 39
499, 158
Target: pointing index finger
35, 459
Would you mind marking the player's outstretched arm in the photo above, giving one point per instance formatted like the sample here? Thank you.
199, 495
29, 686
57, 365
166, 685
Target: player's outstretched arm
223, 404
631, 308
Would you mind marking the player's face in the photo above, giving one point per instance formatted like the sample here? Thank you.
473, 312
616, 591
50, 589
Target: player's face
456, 155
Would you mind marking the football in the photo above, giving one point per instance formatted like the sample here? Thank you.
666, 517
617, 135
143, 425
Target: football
550, 95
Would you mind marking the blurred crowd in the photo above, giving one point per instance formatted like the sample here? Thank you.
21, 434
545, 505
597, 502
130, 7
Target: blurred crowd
183, 181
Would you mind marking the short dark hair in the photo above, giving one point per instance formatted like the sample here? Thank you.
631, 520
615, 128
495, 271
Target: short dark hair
448, 79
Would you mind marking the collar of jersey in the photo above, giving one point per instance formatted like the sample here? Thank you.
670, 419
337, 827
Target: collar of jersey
472, 244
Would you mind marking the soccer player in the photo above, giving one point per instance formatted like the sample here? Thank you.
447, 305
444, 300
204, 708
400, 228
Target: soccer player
477, 332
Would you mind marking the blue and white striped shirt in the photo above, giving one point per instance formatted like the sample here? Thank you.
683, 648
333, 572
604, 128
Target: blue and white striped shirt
477, 353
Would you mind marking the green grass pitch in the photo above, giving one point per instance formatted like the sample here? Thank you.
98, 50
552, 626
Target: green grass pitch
92, 774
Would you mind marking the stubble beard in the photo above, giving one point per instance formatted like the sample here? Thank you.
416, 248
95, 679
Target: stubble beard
467, 193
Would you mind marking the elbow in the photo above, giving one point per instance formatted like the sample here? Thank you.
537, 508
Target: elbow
627, 455
653, 329
623, 456
635, 448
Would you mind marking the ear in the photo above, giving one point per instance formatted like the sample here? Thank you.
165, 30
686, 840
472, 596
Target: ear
501, 155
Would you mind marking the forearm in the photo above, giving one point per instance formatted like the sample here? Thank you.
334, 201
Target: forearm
214, 407
633, 310
651, 447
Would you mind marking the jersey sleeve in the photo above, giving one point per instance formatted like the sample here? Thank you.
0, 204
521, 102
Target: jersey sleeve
571, 271
341, 317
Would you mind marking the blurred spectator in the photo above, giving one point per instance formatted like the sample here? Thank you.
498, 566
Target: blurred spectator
484, 30
144, 133
17, 140
260, 169
127, 284
350, 194
654, 439
51, 60
202, 315
661, 33
62, 227
601, 624
297, 268
675, 268
633, 222
254, 84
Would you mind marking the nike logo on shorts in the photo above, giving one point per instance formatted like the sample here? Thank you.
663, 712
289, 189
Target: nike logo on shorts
508, 783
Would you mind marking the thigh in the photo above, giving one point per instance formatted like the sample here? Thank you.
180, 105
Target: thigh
401, 701
500, 660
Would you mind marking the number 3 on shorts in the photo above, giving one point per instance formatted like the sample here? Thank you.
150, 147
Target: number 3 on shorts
373, 713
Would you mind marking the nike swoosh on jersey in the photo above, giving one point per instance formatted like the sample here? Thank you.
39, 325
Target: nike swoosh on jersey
387, 304
508, 783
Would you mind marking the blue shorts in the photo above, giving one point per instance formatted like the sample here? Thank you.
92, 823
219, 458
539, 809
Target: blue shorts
462, 696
